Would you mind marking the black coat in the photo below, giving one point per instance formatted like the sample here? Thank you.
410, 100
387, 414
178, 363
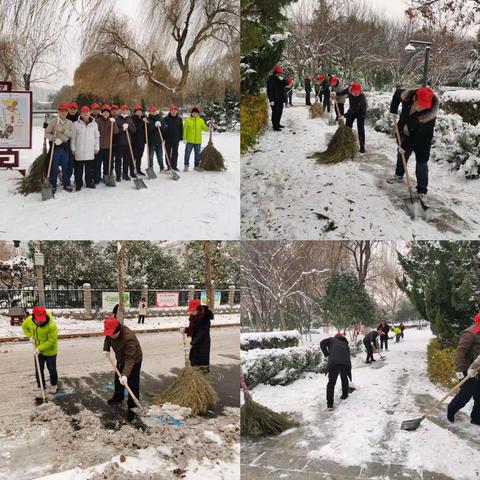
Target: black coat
153, 135
172, 129
276, 89
139, 135
420, 125
384, 328
200, 345
326, 85
337, 352
371, 337
357, 103
308, 85
121, 138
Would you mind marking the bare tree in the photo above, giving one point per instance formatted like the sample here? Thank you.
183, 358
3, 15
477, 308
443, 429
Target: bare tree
362, 251
464, 12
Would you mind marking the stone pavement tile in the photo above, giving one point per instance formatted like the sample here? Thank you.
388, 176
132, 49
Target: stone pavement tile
282, 460
326, 466
247, 472
375, 470
290, 475
435, 476
249, 456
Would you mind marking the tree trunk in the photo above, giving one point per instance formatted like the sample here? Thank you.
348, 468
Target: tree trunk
208, 275
121, 280
281, 312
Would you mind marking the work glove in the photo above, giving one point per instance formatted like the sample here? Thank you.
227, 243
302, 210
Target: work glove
460, 375
125, 126
36, 352
472, 372
158, 124
106, 353
272, 103
123, 380
32, 341
401, 150
112, 119
58, 141
145, 120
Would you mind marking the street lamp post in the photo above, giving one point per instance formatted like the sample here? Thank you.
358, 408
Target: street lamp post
39, 262
415, 45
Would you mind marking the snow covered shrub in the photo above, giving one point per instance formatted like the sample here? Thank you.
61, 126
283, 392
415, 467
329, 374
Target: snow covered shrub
264, 340
441, 364
280, 366
253, 119
226, 115
465, 103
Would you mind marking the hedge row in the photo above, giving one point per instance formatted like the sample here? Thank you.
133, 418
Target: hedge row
253, 119
441, 364
264, 340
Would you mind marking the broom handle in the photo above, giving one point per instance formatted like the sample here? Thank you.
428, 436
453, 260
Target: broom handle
167, 158
44, 133
42, 386
135, 399
404, 161
51, 154
336, 107
456, 387
211, 130
131, 152
146, 141
245, 389
110, 149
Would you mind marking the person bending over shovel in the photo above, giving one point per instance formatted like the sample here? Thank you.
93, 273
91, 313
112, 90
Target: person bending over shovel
371, 341
337, 353
128, 353
467, 363
199, 331
416, 126
42, 331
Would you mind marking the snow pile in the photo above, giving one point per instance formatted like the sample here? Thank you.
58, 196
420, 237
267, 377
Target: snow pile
279, 366
461, 96
279, 339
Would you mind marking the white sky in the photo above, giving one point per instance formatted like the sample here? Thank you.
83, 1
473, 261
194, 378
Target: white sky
391, 8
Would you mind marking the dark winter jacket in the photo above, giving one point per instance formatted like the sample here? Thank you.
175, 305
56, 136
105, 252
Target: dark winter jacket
384, 328
308, 85
73, 118
121, 138
104, 127
127, 349
468, 349
153, 135
172, 129
326, 85
139, 135
419, 126
336, 351
371, 337
200, 333
340, 93
276, 89
357, 103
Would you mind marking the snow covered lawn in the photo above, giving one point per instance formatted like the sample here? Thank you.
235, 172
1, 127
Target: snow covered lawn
287, 195
71, 325
364, 432
201, 205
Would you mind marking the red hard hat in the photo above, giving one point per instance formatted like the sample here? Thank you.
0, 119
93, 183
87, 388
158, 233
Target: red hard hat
85, 108
73, 105
193, 305
277, 69
173, 107
115, 107
152, 108
106, 107
110, 324
96, 105
40, 314
424, 97
137, 107
321, 78
356, 88
333, 81
477, 322
124, 107
63, 106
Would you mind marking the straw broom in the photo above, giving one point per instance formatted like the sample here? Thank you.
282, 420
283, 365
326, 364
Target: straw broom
342, 146
316, 110
256, 419
210, 158
190, 389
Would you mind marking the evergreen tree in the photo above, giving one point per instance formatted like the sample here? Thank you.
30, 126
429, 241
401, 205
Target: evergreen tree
442, 280
471, 76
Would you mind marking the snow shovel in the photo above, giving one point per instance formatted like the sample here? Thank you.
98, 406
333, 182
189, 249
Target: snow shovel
47, 188
42, 387
415, 423
149, 170
171, 171
110, 178
139, 183
405, 168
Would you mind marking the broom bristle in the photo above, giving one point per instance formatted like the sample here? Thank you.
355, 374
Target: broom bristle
211, 159
33, 181
316, 110
342, 146
191, 389
256, 419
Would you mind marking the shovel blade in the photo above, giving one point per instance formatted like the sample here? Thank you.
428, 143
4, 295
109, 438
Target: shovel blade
140, 412
47, 191
109, 180
411, 424
139, 183
175, 176
150, 173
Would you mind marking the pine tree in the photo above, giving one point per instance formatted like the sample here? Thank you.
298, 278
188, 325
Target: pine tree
471, 76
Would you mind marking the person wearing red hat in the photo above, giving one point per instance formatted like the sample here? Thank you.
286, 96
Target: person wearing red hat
172, 130
416, 125
155, 147
337, 89
308, 89
357, 110
95, 111
199, 331
138, 138
105, 124
41, 330
337, 352
467, 364
85, 146
289, 92
115, 110
325, 93
123, 157
317, 84
73, 113
129, 356
276, 96
60, 131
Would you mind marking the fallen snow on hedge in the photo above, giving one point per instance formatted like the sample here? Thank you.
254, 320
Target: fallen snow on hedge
277, 339
462, 96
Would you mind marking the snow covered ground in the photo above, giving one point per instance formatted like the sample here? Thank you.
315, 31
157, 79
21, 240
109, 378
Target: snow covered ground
201, 205
287, 195
362, 436
72, 325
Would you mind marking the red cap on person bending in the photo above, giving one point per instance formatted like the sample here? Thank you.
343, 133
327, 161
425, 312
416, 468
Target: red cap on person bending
356, 88
477, 322
110, 324
40, 314
334, 81
193, 305
424, 97
278, 69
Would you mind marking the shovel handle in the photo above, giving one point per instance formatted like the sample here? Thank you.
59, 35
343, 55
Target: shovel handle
131, 152
455, 388
37, 363
110, 150
51, 156
167, 158
146, 142
402, 155
135, 399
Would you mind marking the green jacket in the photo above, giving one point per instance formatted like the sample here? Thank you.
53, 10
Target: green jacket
192, 129
45, 336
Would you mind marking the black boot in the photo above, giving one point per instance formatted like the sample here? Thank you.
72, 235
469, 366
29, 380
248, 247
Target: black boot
362, 148
115, 400
130, 415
